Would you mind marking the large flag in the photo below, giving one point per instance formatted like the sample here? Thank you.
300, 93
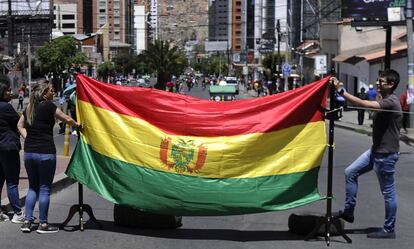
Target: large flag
173, 154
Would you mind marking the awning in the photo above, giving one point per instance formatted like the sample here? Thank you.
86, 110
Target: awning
372, 55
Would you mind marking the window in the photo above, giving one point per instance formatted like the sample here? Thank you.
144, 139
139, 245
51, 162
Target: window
68, 17
68, 25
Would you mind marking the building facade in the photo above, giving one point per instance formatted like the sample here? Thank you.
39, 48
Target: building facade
65, 17
118, 14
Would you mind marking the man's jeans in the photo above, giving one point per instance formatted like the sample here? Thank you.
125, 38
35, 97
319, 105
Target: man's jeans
384, 167
10, 171
40, 171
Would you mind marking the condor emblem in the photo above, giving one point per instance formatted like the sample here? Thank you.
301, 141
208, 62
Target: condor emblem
183, 155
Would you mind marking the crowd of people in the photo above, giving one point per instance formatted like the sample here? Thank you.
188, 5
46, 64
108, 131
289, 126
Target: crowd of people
35, 126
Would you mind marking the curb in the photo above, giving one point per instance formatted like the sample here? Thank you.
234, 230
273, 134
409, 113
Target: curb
60, 182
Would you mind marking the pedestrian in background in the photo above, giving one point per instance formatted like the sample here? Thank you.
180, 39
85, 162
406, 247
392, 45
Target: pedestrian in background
21, 92
405, 108
383, 154
361, 112
36, 126
9, 151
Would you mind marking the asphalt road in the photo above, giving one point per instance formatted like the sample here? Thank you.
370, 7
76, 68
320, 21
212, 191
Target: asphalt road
266, 230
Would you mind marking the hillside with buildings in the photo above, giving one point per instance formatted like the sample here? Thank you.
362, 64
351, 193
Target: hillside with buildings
181, 21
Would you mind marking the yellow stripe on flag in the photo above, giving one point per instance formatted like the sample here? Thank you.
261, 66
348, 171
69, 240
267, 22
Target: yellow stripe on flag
132, 140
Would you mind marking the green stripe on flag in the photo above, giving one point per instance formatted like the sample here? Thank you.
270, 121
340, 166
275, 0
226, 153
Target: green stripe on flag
175, 194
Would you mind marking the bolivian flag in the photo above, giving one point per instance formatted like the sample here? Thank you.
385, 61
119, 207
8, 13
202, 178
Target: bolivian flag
172, 154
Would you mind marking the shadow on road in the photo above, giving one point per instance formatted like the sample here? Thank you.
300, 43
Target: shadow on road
201, 234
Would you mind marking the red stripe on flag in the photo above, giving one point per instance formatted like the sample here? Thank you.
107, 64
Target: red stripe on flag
182, 115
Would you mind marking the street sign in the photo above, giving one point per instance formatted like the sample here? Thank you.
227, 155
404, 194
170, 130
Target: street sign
320, 65
236, 57
286, 69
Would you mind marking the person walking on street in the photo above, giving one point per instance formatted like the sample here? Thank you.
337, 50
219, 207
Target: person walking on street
9, 151
22, 90
405, 108
383, 154
361, 112
36, 127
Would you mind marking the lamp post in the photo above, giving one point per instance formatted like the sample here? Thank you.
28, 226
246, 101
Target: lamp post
279, 35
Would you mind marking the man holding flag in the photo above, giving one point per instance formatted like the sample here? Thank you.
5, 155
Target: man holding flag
382, 156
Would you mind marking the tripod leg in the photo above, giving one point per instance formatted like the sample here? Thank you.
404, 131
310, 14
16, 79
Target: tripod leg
89, 211
72, 211
341, 231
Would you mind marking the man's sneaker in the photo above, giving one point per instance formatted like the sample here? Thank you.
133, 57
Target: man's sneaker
26, 227
382, 234
18, 218
346, 217
46, 228
4, 217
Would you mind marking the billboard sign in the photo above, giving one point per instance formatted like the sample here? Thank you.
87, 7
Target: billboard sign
369, 9
214, 46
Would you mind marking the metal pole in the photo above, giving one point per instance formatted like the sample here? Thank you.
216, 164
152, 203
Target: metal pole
278, 55
387, 47
10, 31
29, 61
410, 47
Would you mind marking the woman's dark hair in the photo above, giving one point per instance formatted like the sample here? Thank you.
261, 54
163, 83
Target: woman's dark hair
4, 85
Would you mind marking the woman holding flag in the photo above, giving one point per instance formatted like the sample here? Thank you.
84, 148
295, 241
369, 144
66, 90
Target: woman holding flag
36, 126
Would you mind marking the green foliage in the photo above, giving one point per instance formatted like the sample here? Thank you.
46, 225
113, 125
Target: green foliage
60, 55
164, 59
270, 62
215, 65
105, 70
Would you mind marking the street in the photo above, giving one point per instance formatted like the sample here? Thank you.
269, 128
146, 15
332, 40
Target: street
266, 230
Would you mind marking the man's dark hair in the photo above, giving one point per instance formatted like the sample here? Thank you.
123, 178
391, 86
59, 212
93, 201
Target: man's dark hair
391, 76
4, 85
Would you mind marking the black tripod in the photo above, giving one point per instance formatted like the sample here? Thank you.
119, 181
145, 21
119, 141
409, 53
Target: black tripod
80, 208
328, 220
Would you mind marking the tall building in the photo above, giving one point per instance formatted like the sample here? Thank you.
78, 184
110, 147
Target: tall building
218, 20
153, 32
141, 31
118, 14
65, 17
31, 21
306, 16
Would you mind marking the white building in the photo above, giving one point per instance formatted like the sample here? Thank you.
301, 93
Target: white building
140, 28
65, 18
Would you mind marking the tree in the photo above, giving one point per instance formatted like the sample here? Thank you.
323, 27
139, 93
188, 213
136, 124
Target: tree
59, 56
166, 60
124, 63
270, 62
105, 70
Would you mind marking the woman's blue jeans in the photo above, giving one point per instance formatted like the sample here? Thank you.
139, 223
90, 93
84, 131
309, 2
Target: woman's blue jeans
40, 171
10, 171
384, 166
